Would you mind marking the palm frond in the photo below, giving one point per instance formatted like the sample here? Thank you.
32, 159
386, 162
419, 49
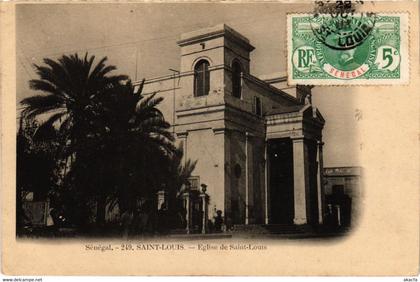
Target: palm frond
41, 104
162, 144
99, 66
115, 79
45, 129
148, 103
140, 89
106, 70
45, 86
54, 74
147, 109
187, 169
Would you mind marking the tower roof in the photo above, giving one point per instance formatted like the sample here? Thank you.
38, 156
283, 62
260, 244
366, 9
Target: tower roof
220, 30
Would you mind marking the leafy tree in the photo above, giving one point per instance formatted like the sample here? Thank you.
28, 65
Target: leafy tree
35, 167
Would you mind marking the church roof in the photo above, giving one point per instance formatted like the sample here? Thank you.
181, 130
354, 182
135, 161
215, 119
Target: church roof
285, 109
310, 111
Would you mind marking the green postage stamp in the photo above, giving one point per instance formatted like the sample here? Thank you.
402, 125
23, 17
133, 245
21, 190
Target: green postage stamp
357, 49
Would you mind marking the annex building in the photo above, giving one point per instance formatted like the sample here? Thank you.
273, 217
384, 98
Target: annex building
259, 148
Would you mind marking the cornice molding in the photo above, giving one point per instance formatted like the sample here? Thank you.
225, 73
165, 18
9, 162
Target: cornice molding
222, 31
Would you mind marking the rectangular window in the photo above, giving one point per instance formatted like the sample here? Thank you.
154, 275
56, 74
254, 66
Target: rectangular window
257, 106
201, 78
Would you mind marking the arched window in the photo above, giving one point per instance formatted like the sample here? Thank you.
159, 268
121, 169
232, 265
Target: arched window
201, 78
236, 79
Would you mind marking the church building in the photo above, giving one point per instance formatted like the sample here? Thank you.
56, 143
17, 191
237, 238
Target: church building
257, 142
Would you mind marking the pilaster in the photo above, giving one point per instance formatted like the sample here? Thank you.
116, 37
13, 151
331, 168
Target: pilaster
320, 183
266, 184
301, 181
223, 202
182, 136
246, 178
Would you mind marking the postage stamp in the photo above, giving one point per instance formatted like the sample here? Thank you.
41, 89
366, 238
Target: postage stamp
356, 48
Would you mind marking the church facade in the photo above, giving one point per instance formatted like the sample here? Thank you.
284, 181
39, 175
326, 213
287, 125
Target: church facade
257, 142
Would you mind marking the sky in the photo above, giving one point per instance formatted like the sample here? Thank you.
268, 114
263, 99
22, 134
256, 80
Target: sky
148, 32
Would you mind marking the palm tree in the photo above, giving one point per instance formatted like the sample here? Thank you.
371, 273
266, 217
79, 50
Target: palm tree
137, 144
180, 173
117, 140
140, 156
73, 88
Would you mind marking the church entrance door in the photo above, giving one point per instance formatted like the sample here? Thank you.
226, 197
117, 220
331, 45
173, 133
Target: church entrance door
280, 157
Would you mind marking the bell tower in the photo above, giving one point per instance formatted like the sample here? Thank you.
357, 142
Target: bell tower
207, 56
218, 48
220, 44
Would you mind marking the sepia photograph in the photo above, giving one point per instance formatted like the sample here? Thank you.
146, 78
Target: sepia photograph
158, 131
214, 127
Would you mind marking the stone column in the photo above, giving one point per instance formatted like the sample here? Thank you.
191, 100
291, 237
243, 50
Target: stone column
204, 203
266, 184
320, 184
338, 214
160, 199
187, 206
246, 179
301, 183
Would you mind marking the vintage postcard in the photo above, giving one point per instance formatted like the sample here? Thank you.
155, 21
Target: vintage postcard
212, 138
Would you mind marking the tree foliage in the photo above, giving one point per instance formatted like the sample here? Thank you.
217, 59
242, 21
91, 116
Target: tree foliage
111, 143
